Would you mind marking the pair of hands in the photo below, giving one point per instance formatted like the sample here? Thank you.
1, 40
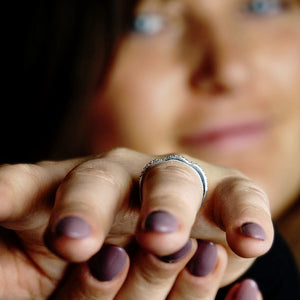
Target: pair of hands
76, 206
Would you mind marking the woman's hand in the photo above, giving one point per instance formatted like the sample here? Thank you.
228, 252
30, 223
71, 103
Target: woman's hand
103, 194
98, 202
172, 280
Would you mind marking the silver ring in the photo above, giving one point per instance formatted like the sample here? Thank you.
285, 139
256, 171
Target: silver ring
180, 158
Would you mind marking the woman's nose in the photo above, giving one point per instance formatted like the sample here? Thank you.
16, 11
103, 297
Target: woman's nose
222, 65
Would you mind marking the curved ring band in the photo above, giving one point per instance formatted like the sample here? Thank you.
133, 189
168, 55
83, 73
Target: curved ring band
178, 158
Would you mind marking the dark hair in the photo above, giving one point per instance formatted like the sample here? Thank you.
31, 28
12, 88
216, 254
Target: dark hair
66, 47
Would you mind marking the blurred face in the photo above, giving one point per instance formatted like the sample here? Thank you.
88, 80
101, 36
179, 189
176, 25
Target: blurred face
218, 80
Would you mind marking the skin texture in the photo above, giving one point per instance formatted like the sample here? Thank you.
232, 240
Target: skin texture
212, 65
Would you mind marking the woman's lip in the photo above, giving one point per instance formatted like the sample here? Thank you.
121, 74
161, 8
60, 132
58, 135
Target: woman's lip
227, 136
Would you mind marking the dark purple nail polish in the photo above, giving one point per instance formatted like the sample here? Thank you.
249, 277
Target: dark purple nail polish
108, 262
177, 256
73, 227
204, 260
161, 221
254, 231
248, 290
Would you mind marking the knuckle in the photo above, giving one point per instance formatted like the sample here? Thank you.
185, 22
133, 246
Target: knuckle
235, 186
116, 154
17, 183
99, 171
251, 196
18, 176
156, 275
174, 170
46, 163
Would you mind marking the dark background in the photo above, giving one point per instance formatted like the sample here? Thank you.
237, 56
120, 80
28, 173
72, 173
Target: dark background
55, 52
29, 115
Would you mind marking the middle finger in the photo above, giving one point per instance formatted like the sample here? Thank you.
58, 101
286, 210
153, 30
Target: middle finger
172, 194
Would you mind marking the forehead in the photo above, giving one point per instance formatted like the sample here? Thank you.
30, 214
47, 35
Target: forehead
159, 2
195, 5
210, 10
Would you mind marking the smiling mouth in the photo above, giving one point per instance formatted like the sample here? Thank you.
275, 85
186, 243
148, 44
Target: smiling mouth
227, 137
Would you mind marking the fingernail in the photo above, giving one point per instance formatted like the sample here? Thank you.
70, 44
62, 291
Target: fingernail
73, 227
108, 262
248, 290
253, 230
177, 256
204, 260
160, 221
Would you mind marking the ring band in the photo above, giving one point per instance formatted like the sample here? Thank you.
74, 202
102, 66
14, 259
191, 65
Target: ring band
182, 159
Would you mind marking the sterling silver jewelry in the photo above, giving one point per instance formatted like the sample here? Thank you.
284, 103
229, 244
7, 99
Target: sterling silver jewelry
180, 158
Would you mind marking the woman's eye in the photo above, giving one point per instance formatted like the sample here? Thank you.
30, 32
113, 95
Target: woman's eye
148, 24
265, 7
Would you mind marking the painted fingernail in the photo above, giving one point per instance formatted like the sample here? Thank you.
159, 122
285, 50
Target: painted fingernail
73, 227
204, 260
160, 221
108, 263
253, 230
248, 290
178, 255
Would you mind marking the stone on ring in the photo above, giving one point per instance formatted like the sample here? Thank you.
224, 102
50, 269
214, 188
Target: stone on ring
182, 159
